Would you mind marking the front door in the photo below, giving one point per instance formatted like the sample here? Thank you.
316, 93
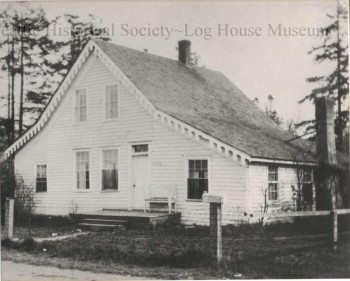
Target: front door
140, 180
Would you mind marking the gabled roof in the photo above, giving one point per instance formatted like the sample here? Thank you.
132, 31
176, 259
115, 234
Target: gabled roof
208, 101
200, 101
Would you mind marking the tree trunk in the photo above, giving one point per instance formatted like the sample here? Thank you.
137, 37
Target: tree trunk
20, 130
13, 73
8, 129
340, 129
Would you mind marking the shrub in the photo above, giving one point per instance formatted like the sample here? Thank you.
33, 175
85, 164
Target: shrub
7, 242
28, 244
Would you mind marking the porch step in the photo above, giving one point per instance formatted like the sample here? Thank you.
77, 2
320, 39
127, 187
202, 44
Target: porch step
99, 225
100, 222
104, 221
119, 218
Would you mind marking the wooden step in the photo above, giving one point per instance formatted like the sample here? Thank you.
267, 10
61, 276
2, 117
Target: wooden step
106, 221
99, 225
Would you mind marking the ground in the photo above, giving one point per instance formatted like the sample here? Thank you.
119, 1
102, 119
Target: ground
43, 273
173, 252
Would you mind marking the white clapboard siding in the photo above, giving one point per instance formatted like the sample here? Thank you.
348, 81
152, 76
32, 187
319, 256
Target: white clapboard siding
258, 181
57, 143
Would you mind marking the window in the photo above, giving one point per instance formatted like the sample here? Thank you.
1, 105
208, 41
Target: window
273, 182
80, 106
41, 178
197, 181
307, 185
111, 101
110, 169
140, 148
82, 170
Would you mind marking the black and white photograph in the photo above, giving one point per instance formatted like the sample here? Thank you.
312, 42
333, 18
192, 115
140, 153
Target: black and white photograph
174, 140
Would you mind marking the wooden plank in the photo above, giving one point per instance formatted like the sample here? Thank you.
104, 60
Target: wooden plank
297, 214
343, 211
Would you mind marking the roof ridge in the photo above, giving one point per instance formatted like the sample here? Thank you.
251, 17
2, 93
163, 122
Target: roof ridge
190, 66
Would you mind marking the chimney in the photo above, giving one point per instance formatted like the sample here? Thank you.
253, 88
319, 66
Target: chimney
325, 136
185, 51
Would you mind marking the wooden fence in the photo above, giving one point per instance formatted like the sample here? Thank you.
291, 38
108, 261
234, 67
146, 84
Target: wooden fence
332, 213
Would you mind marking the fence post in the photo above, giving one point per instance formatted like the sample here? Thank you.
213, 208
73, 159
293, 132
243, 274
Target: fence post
334, 226
215, 219
9, 212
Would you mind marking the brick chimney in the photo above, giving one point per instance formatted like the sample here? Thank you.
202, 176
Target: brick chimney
185, 51
325, 137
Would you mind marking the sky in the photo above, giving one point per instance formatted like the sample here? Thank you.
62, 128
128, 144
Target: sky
245, 40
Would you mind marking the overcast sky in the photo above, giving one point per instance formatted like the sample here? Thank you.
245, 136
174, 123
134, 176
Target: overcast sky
267, 62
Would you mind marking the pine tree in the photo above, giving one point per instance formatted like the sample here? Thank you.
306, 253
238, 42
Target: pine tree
10, 66
25, 57
81, 32
271, 112
334, 49
63, 55
35, 63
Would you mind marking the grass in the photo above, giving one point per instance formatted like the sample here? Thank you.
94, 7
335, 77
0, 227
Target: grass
42, 227
176, 253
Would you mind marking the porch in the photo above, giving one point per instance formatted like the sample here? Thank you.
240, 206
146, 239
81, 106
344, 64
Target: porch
112, 218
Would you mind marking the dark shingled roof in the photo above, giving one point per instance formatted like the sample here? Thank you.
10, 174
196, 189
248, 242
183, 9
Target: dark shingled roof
208, 101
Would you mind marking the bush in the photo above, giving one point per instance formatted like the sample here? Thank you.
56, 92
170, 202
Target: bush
7, 242
47, 221
28, 244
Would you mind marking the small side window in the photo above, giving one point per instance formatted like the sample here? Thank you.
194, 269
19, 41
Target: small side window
273, 183
41, 178
307, 185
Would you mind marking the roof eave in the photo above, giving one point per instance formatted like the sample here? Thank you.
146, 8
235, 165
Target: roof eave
283, 161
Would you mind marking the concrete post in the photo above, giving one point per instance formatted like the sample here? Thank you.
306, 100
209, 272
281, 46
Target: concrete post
9, 212
215, 220
334, 226
216, 232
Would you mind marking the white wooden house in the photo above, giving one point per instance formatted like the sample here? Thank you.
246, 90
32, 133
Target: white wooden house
125, 126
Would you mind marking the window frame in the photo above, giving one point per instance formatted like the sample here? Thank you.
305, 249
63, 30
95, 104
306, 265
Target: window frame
140, 153
307, 182
76, 171
274, 182
101, 168
105, 102
187, 171
76, 120
36, 178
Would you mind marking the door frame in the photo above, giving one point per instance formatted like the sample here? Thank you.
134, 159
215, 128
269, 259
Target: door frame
131, 155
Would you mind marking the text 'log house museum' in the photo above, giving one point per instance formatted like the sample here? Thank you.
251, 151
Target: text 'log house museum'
125, 126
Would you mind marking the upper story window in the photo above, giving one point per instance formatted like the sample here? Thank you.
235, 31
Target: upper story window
197, 181
111, 101
273, 182
41, 178
110, 169
80, 105
82, 170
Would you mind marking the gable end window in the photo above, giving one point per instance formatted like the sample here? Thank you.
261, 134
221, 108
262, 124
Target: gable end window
80, 105
82, 170
110, 169
197, 181
41, 178
111, 101
273, 183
